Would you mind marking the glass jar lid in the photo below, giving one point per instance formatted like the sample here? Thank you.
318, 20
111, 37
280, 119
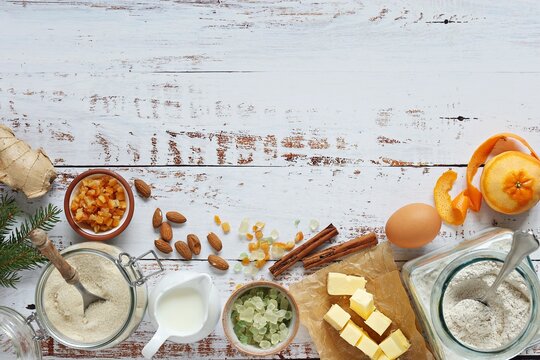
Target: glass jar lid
18, 339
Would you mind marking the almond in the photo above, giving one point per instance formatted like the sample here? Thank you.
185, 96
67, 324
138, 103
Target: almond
214, 241
165, 231
143, 188
157, 218
194, 244
183, 249
218, 262
163, 246
175, 217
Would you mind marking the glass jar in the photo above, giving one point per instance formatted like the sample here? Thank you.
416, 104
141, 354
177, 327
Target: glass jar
28, 338
427, 277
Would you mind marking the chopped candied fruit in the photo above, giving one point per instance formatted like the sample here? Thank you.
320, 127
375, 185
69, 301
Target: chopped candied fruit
99, 203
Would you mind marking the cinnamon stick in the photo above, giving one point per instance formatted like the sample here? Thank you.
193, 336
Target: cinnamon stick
338, 251
302, 251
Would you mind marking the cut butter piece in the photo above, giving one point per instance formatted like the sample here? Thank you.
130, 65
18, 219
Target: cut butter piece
383, 357
337, 317
341, 284
361, 302
378, 322
395, 345
351, 333
369, 347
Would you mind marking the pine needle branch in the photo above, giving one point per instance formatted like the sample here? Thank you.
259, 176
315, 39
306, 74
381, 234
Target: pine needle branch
44, 218
8, 211
14, 258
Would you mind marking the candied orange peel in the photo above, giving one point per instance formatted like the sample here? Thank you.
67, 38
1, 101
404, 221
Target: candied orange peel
100, 203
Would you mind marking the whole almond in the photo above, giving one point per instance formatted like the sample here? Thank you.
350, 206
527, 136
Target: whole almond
157, 218
194, 244
165, 230
143, 188
214, 241
163, 246
175, 217
218, 262
183, 249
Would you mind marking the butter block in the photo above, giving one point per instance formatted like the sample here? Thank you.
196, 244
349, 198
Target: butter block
337, 317
378, 322
382, 357
395, 345
361, 302
351, 333
369, 347
342, 284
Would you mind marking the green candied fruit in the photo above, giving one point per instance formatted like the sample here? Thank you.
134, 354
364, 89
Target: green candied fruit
243, 339
284, 304
288, 315
261, 317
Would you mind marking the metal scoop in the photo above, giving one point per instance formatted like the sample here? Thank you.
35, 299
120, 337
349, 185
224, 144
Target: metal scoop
46, 248
523, 244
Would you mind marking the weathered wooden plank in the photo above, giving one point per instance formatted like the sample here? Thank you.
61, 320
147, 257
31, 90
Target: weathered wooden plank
94, 36
354, 200
260, 119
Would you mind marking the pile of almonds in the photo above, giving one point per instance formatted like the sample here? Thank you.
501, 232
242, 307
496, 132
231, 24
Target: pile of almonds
186, 249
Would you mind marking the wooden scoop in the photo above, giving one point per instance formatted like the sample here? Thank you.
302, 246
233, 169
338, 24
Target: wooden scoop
46, 248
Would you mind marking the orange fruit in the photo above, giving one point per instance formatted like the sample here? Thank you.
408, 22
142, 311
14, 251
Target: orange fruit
510, 182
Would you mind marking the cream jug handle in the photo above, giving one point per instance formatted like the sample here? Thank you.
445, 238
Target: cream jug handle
154, 344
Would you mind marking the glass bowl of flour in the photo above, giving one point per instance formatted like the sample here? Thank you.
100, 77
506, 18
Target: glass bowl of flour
499, 330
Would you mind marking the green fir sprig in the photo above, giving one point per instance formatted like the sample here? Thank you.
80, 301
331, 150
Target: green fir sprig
16, 254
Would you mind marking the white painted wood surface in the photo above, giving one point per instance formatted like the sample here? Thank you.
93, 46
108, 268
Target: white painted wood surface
340, 111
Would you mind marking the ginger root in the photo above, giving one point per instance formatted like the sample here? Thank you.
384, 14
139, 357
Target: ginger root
22, 168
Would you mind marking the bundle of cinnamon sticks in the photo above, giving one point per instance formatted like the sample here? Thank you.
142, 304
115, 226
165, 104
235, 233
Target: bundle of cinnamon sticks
325, 256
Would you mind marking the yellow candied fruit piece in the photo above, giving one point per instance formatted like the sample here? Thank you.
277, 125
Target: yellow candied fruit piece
259, 225
280, 245
260, 263
249, 236
258, 235
217, 220
290, 245
299, 236
245, 261
253, 246
226, 227
265, 247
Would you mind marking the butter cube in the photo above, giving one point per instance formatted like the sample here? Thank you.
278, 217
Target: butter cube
395, 345
341, 284
361, 302
382, 357
369, 347
351, 333
378, 322
337, 317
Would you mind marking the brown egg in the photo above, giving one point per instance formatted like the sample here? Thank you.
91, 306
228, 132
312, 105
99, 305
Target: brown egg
413, 225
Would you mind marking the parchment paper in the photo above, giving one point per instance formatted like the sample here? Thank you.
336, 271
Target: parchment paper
378, 267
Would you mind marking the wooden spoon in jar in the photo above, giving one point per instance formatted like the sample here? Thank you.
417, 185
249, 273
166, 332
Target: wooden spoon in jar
69, 273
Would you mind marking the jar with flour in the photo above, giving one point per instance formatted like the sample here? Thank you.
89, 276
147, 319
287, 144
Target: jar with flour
444, 285
106, 271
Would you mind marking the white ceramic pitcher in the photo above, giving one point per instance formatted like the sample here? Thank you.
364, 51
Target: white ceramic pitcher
211, 309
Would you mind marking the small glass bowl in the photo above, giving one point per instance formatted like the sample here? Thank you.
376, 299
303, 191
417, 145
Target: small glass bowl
250, 349
87, 232
507, 351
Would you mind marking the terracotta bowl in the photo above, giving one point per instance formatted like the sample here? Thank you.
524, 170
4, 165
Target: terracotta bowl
89, 233
250, 349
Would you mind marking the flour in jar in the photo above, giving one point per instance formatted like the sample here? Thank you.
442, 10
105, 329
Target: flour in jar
480, 326
64, 307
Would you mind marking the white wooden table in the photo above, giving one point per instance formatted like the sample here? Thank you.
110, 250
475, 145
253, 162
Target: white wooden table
340, 111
